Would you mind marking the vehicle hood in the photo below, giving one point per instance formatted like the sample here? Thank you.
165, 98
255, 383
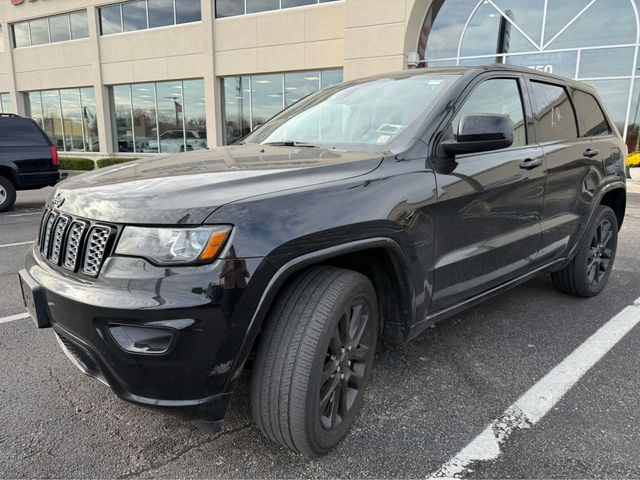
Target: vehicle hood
187, 188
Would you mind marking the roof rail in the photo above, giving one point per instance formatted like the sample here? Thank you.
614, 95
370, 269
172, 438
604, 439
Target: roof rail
8, 115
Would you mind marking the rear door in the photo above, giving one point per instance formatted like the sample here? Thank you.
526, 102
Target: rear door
24, 144
489, 204
593, 124
572, 165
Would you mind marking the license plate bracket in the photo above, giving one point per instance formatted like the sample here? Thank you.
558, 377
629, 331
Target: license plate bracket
34, 300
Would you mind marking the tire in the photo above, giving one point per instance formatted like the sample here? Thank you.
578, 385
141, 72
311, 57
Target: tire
7, 194
300, 357
589, 271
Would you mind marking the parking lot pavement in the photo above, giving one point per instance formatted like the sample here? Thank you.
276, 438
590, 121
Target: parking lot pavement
426, 401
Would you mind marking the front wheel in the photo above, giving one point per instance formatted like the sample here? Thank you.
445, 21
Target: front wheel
314, 359
588, 272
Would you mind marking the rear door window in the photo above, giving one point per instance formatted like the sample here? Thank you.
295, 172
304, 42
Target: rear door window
21, 132
593, 123
553, 113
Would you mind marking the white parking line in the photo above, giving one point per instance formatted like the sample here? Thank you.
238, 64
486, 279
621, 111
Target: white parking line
531, 407
15, 244
22, 214
12, 318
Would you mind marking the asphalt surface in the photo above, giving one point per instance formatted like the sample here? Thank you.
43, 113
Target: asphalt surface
426, 400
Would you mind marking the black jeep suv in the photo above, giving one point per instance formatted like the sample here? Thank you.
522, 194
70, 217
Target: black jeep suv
28, 159
367, 211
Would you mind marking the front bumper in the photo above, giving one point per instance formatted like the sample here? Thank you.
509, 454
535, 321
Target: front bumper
200, 305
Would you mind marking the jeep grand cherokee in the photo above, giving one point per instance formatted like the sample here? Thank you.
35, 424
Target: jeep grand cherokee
365, 212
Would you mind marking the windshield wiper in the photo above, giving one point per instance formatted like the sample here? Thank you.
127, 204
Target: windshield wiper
291, 143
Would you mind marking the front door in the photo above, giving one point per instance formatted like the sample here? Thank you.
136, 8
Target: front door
487, 220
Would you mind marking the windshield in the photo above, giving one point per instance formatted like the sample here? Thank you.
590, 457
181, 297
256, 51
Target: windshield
372, 116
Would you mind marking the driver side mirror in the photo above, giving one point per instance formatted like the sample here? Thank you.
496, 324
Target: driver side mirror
480, 133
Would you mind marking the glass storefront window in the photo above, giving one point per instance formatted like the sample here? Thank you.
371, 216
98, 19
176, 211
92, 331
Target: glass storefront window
89, 120
121, 95
67, 116
195, 116
167, 117
170, 117
237, 110
72, 115
251, 101
145, 128
589, 40
231, 8
266, 98
5, 103
299, 85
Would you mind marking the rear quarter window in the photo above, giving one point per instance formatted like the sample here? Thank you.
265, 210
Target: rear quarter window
21, 132
593, 123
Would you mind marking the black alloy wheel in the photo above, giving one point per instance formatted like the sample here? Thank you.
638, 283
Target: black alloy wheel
345, 366
600, 255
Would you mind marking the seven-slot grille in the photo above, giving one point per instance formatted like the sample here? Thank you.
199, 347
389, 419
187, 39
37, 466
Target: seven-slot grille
73, 244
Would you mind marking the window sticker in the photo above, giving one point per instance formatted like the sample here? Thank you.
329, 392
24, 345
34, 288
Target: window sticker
383, 139
390, 128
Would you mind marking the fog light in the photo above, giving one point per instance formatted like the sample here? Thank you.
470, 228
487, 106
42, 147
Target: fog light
142, 339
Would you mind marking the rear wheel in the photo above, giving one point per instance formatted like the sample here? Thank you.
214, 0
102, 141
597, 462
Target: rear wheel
7, 194
314, 360
588, 272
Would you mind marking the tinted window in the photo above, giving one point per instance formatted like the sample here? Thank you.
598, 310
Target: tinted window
110, 20
39, 31
501, 97
21, 34
187, 11
229, 8
160, 13
134, 16
553, 113
20, 132
255, 6
297, 3
59, 26
79, 25
593, 121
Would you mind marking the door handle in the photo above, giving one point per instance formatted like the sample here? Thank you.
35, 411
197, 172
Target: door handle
531, 163
590, 153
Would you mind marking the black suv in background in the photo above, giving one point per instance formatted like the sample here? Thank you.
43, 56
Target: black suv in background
369, 210
28, 159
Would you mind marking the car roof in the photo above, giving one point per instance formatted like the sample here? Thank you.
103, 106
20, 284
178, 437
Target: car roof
473, 71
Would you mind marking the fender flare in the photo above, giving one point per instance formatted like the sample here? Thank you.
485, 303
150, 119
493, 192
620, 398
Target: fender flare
597, 199
296, 264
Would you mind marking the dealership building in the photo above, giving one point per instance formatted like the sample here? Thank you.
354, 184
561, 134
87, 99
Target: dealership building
144, 77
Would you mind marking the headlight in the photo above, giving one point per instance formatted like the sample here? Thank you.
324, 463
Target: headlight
172, 246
